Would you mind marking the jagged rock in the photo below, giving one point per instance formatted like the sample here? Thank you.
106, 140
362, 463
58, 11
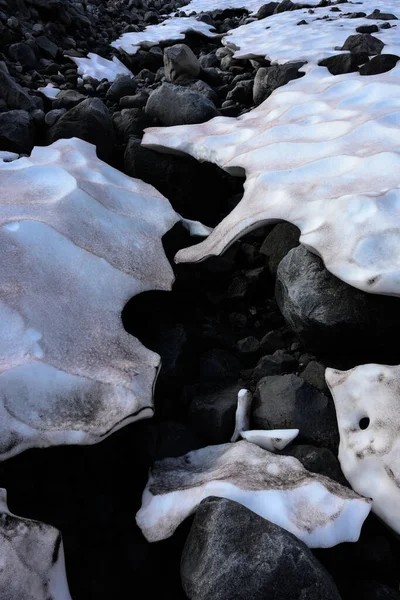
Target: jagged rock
289, 402
314, 374
177, 105
180, 63
233, 553
90, 121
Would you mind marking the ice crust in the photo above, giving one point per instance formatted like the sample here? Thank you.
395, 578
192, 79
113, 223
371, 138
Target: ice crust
78, 239
50, 91
322, 152
31, 558
318, 511
100, 68
367, 403
173, 29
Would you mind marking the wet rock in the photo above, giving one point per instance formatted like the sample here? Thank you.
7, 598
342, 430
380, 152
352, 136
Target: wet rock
176, 105
273, 340
136, 101
367, 29
233, 553
289, 402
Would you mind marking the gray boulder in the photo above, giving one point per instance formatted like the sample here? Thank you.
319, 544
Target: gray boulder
233, 554
269, 78
177, 105
180, 63
289, 402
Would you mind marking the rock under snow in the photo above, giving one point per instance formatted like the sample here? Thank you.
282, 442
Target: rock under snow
31, 557
78, 239
170, 30
317, 510
100, 68
367, 405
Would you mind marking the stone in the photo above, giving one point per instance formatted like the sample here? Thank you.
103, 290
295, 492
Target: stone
212, 414
180, 63
248, 345
217, 364
274, 364
367, 29
317, 460
16, 131
123, 85
379, 64
319, 511
289, 402
53, 115
314, 374
23, 53
138, 100
269, 79
363, 42
325, 312
278, 243
47, 48
13, 94
203, 88
233, 553
341, 63
378, 15
266, 10
272, 341
90, 121
68, 99
177, 105
131, 122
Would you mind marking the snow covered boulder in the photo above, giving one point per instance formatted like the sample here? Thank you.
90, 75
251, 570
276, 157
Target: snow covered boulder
78, 239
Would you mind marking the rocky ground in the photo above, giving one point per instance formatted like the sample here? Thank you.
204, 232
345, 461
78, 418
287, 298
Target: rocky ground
266, 315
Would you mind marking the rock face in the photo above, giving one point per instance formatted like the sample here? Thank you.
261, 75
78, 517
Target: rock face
71, 256
367, 407
317, 510
177, 105
233, 554
32, 558
289, 402
325, 312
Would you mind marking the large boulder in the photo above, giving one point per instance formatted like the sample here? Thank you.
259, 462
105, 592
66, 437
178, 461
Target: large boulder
180, 63
233, 554
16, 131
329, 314
269, 78
289, 402
177, 105
90, 121
212, 414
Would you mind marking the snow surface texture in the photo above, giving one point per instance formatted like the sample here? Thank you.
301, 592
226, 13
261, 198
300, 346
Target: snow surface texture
242, 416
317, 510
170, 30
272, 439
31, 558
322, 152
50, 91
251, 5
78, 239
100, 68
367, 405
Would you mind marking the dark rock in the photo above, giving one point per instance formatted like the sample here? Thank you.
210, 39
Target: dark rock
363, 42
203, 88
47, 47
278, 243
289, 402
284, 6
212, 414
136, 101
238, 287
53, 116
317, 460
175, 439
248, 345
24, 54
90, 121
180, 63
277, 363
176, 105
327, 313
266, 10
131, 122
145, 75
218, 364
340, 63
123, 85
302, 22
314, 374
273, 340
13, 94
374, 590
208, 60
379, 64
242, 92
151, 17
16, 132
386, 26
269, 79
378, 15
233, 554
367, 29
68, 99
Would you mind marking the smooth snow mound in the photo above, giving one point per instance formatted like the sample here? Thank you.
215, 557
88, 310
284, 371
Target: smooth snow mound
78, 239
170, 30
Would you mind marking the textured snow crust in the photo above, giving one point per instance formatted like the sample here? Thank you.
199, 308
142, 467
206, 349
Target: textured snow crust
322, 152
31, 558
78, 239
367, 401
251, 5
100, 68
170, 30
318, 511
